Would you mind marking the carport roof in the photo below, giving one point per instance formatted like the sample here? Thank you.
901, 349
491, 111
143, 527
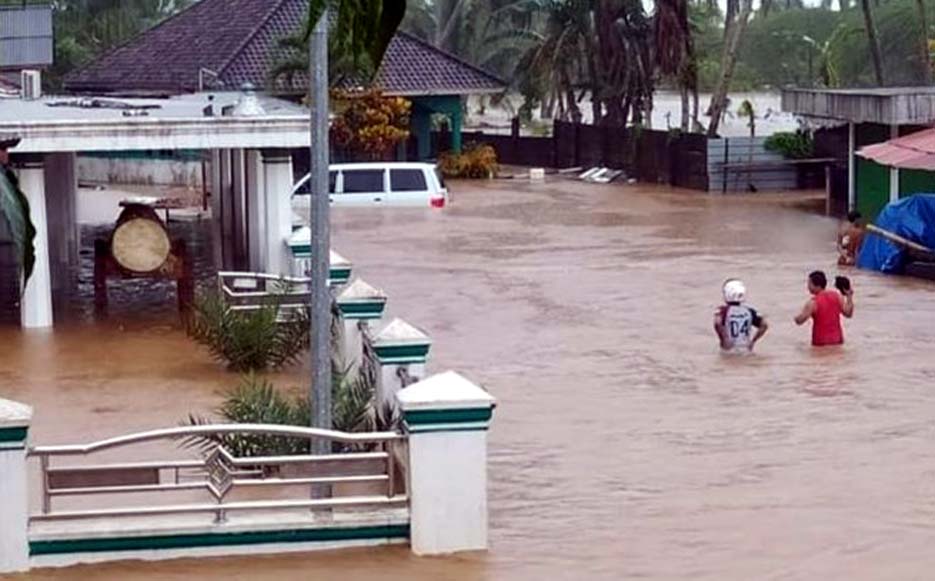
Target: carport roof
60, 124
886, 106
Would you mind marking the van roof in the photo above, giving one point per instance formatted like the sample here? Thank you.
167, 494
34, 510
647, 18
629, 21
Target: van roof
383, 164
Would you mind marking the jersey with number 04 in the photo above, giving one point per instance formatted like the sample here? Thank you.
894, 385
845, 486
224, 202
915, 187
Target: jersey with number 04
739, 323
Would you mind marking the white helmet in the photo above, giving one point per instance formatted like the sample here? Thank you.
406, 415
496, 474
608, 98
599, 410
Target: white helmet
734, 291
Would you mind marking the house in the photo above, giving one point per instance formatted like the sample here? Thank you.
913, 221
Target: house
223, 44
870, 116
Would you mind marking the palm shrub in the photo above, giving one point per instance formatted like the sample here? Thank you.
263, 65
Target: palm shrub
249, 340
256, 401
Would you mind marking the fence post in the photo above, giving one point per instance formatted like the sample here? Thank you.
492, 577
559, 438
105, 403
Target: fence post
14, 507
446, 417
399, 346
360, 304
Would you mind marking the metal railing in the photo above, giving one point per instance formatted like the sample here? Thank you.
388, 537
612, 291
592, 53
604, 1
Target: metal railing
379, 464
250, 291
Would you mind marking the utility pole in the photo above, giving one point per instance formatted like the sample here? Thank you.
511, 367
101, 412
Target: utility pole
319, 223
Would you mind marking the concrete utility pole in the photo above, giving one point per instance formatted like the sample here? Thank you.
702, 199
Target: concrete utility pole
319, 223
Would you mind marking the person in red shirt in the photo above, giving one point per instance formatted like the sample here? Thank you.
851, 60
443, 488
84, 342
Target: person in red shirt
825, 308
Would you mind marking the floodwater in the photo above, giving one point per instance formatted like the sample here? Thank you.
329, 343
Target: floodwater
624, 444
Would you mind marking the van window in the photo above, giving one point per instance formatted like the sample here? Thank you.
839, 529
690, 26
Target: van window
362, 181
407, 180
306, 187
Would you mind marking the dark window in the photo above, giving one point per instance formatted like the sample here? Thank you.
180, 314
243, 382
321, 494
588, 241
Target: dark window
441, 178
306, 187
407, 180
363, 181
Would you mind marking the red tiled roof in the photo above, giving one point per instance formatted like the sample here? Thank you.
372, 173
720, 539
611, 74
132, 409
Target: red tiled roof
914, 151
238, 40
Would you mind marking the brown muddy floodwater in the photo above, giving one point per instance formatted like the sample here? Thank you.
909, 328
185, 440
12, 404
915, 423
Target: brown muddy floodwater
624, 445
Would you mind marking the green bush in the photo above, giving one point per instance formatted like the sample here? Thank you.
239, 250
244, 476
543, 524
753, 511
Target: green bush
791, 144
248, 340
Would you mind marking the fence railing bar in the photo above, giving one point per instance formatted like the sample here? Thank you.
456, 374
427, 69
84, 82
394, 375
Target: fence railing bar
127, 488
184, 431
344, 502
312, 480
168, 464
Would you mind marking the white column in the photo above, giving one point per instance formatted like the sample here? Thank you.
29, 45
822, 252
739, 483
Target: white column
14, 508
256, 211
360, 305
36, 303
277, 186
398, 345
851, 173
894, 171
447, 418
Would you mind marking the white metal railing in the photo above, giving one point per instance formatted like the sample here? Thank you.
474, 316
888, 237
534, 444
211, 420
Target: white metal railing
379, 464
250, 291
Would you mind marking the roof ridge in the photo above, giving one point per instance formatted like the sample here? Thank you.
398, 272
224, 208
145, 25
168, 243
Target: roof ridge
249, 38
454, 57
76, 72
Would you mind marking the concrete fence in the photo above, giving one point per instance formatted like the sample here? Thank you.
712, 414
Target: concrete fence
429, 488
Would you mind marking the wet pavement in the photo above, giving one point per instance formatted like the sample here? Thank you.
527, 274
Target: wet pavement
625, 445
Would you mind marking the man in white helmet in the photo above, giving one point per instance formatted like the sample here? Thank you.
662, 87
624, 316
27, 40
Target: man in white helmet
737, 325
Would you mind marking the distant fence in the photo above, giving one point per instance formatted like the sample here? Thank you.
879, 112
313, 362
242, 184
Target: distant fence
646, 154
740, 164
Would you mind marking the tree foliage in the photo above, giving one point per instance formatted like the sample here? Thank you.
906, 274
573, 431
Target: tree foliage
84, 29
367, 124
14, 208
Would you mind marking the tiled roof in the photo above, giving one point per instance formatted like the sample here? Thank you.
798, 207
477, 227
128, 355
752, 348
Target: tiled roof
238, 40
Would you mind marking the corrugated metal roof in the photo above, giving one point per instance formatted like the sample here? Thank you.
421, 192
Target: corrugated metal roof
915, 151
25, 36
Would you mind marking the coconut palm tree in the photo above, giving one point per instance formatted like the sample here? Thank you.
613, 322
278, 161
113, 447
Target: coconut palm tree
734, 27
874, 40
674, 50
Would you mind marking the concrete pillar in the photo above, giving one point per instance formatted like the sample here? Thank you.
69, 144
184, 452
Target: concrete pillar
36, 303
256, 211
360, 305
277, 189
398, 346
14, 509
851, 168
456, 125
299, 244
240, 239
216, 230
421, 123
61, 192
894, 171
446, 417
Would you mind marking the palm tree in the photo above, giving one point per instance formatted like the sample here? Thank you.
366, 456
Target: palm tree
491, 34
734, 28
924, 43
874, 40
675, 53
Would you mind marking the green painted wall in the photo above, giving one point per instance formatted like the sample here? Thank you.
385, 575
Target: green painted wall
916, 182
873, 180
873, 188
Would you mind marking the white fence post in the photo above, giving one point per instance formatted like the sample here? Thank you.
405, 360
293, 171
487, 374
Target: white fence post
14, 497
446, 417
398, 346
360, 304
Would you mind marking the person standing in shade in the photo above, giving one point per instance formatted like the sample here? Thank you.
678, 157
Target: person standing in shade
825, 308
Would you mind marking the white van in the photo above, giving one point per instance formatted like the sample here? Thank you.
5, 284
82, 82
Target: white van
378, 184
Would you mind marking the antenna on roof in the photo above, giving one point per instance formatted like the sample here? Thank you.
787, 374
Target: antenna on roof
202, 73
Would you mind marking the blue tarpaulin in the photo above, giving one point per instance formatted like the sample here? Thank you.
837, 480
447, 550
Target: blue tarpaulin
912, 218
